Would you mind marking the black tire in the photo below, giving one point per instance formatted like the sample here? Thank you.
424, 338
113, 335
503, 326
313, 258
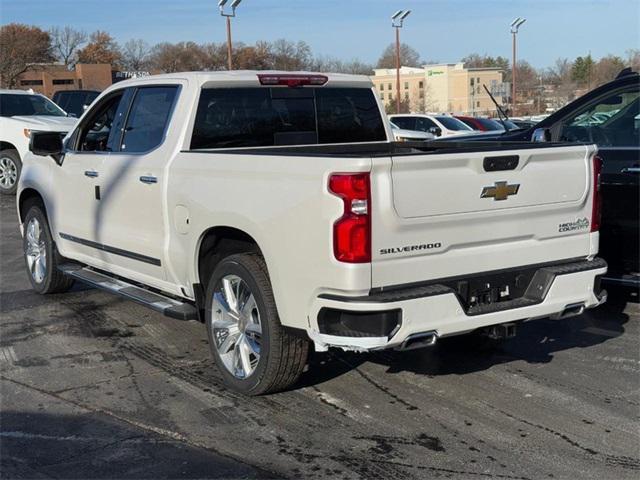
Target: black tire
53, 281
9, 159
282, 355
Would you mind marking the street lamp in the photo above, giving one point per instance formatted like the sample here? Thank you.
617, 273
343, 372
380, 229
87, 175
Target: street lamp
234, 5
397, 19
515, 26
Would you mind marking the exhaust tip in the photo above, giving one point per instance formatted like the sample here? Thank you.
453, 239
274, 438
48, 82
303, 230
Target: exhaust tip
419, 340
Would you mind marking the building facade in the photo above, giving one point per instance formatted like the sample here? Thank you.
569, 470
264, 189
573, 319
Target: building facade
443, 88
50, 78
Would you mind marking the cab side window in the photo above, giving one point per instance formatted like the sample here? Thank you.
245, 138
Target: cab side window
97, 132
613, 121
425, 124
148, 118
407, 123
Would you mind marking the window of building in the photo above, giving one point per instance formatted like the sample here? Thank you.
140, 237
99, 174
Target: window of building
406, 85
473, 82
421, 93
389, 87
477, 104
25, 83
420, 84
406, 95
382, 86
63, 81
382, 96
148, 118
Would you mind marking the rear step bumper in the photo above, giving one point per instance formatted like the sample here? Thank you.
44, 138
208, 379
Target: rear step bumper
168, 306
558, 291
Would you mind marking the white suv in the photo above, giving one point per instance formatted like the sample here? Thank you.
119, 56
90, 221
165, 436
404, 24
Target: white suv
21, 112
438, 125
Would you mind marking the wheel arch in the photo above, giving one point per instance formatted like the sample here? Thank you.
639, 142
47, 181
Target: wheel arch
218, 242
27, 196
4, 145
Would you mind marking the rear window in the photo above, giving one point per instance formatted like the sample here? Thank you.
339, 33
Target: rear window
451, 123
489, 124
12, 105
259, 117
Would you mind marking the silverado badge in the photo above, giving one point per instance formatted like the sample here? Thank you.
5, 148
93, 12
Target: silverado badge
500, 191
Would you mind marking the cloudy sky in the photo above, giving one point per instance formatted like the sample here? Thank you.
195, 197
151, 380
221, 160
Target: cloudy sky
442, 30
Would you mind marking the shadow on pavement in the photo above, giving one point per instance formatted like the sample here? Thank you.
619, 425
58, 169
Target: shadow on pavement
42, 445
536, 342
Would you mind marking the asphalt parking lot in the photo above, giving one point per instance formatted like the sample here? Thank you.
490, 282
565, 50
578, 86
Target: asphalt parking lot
96, 387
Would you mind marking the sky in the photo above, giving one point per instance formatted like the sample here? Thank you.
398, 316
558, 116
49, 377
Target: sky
441, 30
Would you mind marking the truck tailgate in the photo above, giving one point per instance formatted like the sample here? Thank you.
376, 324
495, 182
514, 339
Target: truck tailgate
440, 215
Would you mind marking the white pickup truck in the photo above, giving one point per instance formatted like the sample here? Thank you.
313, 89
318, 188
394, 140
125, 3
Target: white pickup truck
274, 208
21, 112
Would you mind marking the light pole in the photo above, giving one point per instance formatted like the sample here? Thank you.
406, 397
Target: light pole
515, 26
228, 16
397, 19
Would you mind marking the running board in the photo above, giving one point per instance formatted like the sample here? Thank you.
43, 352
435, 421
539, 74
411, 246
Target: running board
166, 305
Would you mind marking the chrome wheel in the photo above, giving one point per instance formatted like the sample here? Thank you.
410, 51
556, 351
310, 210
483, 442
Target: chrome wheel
8, 172
36, 250
236, 326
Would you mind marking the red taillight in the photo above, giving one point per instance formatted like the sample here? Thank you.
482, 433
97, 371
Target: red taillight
596, 211
291, 79
352, 231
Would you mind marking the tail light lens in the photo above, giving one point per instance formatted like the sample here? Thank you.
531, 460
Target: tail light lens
352, 231
596, 212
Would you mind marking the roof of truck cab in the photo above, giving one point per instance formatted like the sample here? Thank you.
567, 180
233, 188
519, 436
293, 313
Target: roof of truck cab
245, 77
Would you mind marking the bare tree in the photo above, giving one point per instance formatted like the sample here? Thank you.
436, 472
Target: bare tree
65, 43
135, 54
21, 46
409, 57
633, 59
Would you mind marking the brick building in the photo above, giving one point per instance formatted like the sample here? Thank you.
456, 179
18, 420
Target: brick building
50, 78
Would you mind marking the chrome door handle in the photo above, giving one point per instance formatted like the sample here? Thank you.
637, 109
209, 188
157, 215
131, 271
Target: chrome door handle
630, 170
90, 173
148, 179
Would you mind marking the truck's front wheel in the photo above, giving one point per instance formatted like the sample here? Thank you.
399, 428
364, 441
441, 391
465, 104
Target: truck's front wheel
252, 351
40, 253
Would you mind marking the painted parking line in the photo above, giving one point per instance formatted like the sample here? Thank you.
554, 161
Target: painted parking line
8, 355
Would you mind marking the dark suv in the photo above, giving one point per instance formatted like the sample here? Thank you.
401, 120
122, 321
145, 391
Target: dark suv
608, 116
74, 101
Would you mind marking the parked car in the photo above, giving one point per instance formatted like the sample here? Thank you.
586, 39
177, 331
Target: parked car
439, 125
402, 135
276, 208
481, 124
608, 116
22, 112
74, 102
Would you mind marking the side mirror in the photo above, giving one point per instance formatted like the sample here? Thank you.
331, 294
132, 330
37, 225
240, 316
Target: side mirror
541, 135
47, 144
437, 131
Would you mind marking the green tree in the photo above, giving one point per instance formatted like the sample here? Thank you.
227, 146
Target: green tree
582, 70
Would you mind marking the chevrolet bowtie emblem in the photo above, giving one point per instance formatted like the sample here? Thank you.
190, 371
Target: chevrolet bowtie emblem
500, 191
